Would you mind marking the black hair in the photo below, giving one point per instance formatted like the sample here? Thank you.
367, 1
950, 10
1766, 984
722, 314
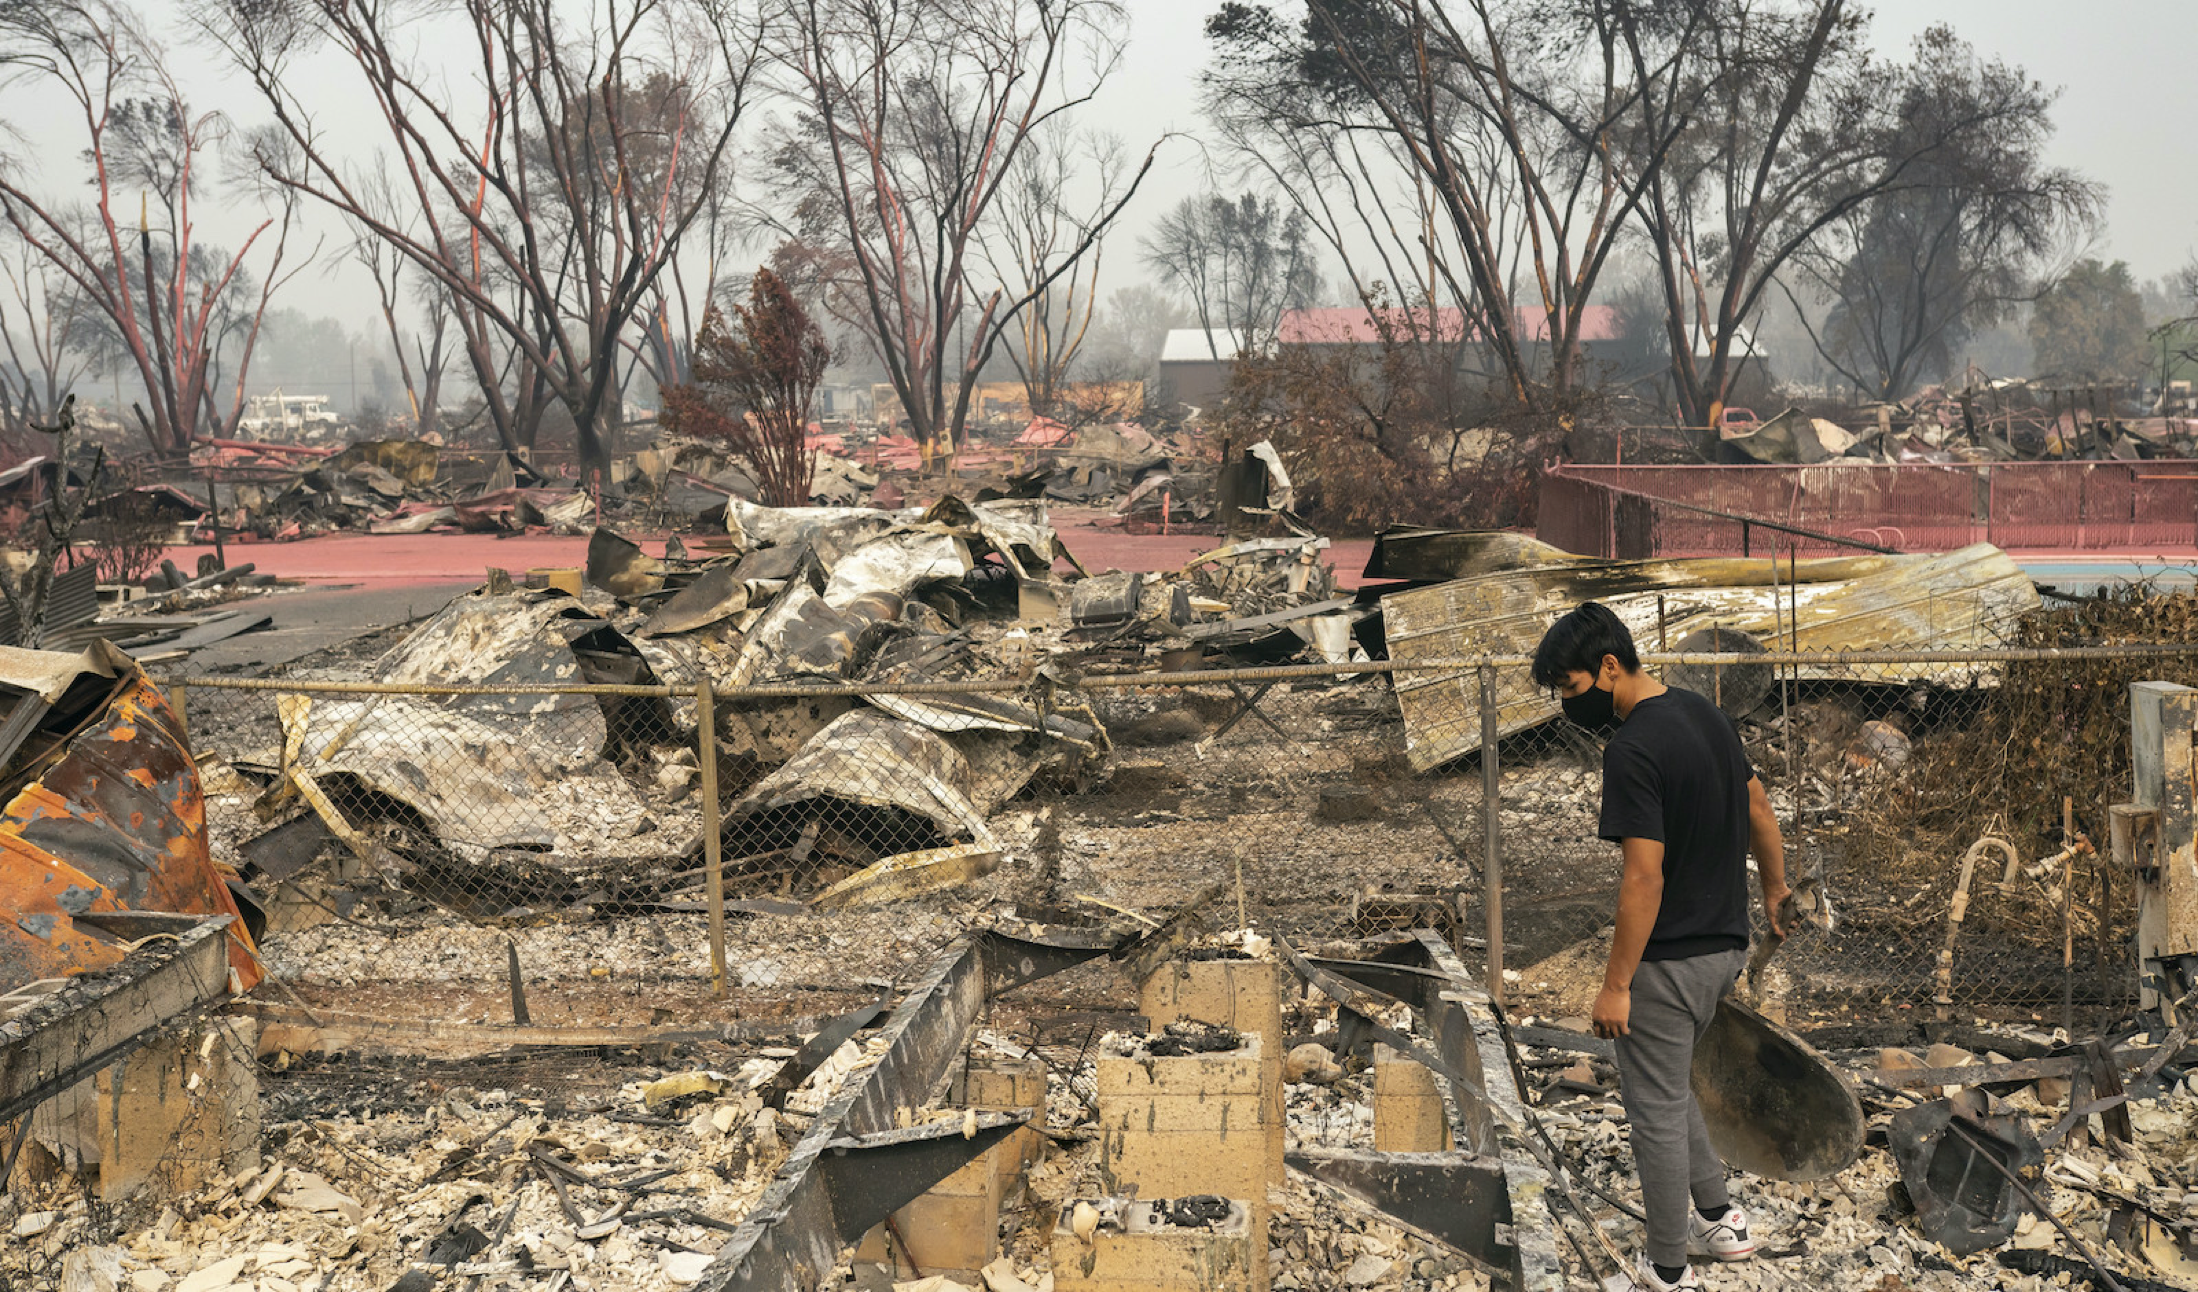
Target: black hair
1579, 640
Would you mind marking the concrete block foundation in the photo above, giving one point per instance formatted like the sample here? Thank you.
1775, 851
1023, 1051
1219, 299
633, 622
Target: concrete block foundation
1147, 1253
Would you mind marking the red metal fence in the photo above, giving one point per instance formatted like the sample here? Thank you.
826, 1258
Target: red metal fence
2139, 508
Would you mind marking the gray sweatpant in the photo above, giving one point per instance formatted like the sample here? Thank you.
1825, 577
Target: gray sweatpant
1673, 1002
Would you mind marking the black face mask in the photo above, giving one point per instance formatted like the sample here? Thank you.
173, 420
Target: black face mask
1594, 709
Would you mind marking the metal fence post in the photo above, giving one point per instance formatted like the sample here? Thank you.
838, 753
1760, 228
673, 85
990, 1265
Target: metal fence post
1492, 857
713, 845
179, 700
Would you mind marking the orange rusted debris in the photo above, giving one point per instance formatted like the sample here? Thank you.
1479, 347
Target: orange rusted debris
103, 814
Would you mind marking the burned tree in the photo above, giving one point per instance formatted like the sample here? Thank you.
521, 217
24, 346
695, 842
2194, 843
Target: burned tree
1240, 262
42, 351
1786, 127
1038, 227
2089, 325
44, 544
1475, 154
421, 368
548, 206
167, 300
913, 121
756, 378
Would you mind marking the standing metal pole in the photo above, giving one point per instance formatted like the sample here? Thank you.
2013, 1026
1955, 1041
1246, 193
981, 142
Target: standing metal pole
1492, 858
713, 846
179, 697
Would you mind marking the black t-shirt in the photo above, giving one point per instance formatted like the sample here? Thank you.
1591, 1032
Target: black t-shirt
1676, 773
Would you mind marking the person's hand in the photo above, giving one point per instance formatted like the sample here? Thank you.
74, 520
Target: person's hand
1613, 1007
1774, 909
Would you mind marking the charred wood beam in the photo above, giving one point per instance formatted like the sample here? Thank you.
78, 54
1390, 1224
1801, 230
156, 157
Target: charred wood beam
1455, 1199
1463, 1040
1977, 1074
815, 1051
869, 1177
322, 1031
96, 1020
1557, 1038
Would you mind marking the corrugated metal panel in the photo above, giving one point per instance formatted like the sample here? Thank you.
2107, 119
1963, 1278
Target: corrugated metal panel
72, 599
1955, 600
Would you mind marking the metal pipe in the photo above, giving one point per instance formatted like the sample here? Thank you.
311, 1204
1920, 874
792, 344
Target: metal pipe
713, 842
179, 696
1491, 834
1959, 911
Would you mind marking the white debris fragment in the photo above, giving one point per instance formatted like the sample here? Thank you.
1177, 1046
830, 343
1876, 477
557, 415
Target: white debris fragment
683, 1268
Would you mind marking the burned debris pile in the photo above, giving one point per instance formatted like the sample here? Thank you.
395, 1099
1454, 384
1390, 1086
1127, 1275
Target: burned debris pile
1981, 420
887, 682
266, 491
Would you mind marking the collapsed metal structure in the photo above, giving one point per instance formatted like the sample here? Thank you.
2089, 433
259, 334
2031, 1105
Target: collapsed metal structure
858, 1163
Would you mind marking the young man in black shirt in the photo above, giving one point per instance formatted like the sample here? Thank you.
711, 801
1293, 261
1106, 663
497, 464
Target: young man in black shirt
1685, 808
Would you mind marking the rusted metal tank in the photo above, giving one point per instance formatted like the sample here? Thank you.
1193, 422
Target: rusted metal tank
104, 830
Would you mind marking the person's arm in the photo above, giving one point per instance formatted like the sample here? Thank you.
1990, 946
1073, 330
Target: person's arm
1770, 854
1640, 898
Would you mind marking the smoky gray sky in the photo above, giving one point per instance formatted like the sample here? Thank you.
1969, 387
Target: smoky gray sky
2127, 101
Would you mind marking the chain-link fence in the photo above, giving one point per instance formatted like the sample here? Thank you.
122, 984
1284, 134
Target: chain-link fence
415, 843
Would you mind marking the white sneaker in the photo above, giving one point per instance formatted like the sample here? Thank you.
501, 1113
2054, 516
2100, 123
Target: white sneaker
1720, 1240
1646, 1279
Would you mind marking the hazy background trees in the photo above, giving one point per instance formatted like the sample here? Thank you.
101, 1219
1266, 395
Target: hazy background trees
1240, 262
915, 137
1963, 241
2089, 326
547, 203
144, 294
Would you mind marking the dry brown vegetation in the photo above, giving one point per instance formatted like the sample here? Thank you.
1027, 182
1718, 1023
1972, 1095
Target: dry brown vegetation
2002, 760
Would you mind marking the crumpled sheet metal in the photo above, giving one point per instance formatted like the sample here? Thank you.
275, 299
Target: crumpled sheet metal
953, 713
897, 564
867, 760
725, 589
469, 777
833, 532
1949, 601
48, 674
568, 515
1281, 494
499, 770
617, 565
508, 639
1017, 528
410, 462
800, 634
114, 820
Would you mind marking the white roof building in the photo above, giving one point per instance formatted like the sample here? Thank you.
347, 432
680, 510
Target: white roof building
1197, 345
